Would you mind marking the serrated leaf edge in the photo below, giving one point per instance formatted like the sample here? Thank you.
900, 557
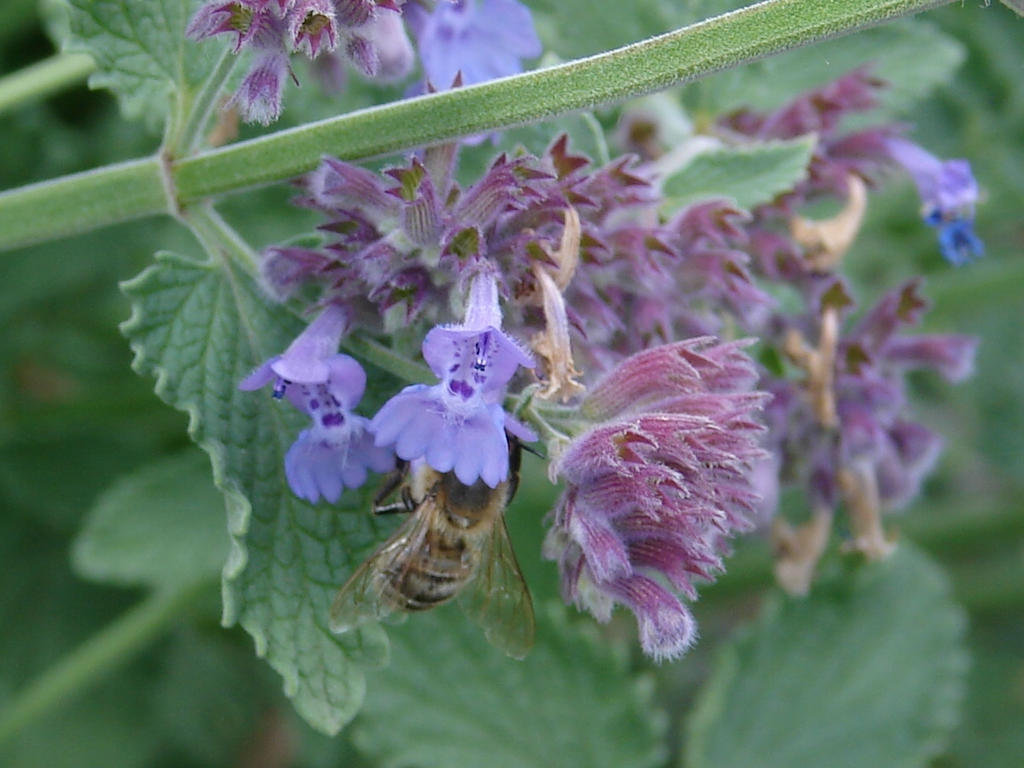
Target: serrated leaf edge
239, 510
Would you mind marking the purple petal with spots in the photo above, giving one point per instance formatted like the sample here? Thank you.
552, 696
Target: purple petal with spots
418, 424
325, 460
490, 357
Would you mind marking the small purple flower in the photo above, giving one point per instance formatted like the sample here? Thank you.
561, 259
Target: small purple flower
393, 55
459, 424
338, 449
242, 19
259, 95
948, 193
654, 490
312, 26
482, 39
400, 244
368, 32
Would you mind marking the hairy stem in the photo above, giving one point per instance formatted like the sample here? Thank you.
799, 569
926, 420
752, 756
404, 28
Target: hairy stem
677, 57
218, 238
203, 107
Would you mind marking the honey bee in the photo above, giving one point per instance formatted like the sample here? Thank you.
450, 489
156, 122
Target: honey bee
453, 544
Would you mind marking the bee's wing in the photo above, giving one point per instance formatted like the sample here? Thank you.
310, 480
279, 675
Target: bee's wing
368, 595
497, 597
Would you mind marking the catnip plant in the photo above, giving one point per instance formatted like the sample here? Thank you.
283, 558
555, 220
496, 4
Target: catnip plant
462, 305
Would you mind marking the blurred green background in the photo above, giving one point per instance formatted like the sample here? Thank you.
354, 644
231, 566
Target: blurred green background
74, 419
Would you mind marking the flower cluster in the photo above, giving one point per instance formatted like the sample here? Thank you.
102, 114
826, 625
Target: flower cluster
864, 421
569, 252
656, 486
474, 40
457, 426
842, 427
399, 244
368, 32
668, 441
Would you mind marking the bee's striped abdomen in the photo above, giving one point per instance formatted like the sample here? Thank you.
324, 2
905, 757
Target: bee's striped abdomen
435, 575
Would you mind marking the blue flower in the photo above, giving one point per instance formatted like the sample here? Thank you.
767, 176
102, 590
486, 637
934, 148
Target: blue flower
338, 449
957, 240
948, 193
482, 39
459, 424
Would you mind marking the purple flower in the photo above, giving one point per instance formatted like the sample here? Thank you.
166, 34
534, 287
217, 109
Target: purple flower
393, 54
948, 193
400, 244
653, 491
482, 39
368, 32
311, 26
338, 449
258, 97
459, 425
870, 392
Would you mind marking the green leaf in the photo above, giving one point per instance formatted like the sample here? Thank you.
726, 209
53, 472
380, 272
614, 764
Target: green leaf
141, 51
162, 526
990, 734
912, 56
200, 328
448, 698
868, 670
750, 175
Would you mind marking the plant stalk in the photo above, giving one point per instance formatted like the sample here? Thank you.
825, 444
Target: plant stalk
111, 647
44, 78
57, 208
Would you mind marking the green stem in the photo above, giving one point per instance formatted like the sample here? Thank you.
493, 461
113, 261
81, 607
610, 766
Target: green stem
111, 647
603, 155
39, 80
388, 360
82, 202
681, 56
677, 57
218, 238
202, 108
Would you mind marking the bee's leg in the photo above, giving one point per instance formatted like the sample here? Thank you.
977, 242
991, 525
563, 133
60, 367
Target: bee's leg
515, 460
535, 451
406, 505
391, 483
390, 509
